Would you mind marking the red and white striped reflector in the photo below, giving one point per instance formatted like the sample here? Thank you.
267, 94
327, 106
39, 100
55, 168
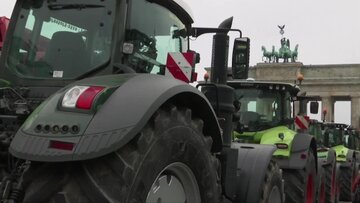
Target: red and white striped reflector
302, 122
180, 65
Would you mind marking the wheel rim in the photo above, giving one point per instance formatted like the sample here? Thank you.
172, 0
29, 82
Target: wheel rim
275, 195
176, 183
310, 189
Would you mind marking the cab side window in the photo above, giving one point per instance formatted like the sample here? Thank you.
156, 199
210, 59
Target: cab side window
152, 31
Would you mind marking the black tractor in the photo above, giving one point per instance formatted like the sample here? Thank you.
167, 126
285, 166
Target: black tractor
94, 108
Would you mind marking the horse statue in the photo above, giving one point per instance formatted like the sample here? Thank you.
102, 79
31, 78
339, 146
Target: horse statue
275, 55
284, 51
266, 54
294, 54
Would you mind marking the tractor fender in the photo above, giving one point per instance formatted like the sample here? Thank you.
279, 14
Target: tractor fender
300, 146
331, 158
142, 96
252, 163
357, 155
327, 156
350, 158
350, 155
324, 161
124, 114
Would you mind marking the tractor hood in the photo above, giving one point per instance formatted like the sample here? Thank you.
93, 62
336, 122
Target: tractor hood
282, 137
322, 152
341, 153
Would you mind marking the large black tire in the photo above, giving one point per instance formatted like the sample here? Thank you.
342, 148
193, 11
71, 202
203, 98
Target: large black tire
356, 196
296, 182
346, 178
330, 183
273, 186
171, 137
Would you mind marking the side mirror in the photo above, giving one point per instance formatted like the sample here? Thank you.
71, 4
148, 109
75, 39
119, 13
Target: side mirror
241, 58
314, 107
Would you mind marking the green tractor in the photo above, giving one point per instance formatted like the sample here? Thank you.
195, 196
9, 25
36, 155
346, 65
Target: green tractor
93, 109
265, 113
336, 137
354, 136
352, 140
327, 160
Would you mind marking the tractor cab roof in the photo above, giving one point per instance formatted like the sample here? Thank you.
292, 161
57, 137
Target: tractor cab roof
335, 125
316, 122
293, 89
185, 8
179, 7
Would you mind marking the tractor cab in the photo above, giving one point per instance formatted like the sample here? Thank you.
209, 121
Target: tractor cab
54, 43
335, 137
352, 138
263, 107
51, 44
352, 141
264, 111
334, 134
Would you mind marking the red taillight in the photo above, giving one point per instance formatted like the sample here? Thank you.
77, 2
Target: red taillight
86, 99
67, 146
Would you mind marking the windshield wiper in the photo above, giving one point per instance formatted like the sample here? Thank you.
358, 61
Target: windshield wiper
73, 6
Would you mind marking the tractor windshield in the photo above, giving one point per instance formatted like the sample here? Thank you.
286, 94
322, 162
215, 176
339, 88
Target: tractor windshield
153, 34
333, 136
60, 39
262, 109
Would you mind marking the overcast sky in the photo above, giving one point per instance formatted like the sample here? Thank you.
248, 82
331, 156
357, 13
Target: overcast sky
327, 31
6, 7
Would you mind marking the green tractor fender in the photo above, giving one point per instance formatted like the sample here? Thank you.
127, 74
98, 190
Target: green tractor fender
280, 136
300, 147
128, 103
344, 155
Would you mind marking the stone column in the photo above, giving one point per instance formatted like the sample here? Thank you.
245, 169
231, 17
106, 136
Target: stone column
328, 104
355, 111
